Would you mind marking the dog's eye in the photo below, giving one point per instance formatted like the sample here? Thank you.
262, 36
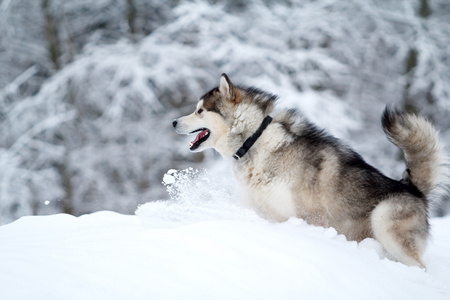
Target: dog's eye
200, 111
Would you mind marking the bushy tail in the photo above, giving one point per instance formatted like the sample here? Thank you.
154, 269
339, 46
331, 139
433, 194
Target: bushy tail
424, 153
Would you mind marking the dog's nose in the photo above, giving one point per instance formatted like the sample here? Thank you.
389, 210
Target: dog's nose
174, 123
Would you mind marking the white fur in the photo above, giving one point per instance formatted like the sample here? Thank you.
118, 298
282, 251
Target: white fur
241, 121
384, 226
273, 200
224, 87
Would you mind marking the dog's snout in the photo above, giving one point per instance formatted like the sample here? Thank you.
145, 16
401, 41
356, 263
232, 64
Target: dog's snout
174, 123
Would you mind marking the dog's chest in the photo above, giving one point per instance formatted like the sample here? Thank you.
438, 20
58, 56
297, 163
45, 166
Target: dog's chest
267, 193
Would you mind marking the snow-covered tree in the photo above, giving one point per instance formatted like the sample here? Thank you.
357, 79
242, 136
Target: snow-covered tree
88, 89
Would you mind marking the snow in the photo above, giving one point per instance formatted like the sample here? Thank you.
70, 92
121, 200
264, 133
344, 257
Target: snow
205, 243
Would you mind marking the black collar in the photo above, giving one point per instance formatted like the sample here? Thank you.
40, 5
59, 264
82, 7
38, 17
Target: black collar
252, 139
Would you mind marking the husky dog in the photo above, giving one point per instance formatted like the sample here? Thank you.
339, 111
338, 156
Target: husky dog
290, 168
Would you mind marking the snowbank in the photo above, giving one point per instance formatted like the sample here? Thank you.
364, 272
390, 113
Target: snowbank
204, 244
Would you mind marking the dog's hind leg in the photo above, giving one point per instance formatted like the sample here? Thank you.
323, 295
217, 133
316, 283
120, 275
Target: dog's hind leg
400, 225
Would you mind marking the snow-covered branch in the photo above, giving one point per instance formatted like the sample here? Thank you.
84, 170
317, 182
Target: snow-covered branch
97, 133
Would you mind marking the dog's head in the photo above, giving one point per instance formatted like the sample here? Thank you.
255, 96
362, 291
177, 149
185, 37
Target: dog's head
222, 115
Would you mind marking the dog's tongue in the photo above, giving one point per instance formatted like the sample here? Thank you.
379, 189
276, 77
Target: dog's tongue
202, 134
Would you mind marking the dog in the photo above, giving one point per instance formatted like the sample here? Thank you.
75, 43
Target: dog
290, 168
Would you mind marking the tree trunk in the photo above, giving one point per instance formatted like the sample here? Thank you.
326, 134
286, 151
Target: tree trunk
67, 201
411, 63
51, 33
131, 16
424, 10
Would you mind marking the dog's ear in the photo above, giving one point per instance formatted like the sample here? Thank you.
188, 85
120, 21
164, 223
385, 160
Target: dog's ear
228, 90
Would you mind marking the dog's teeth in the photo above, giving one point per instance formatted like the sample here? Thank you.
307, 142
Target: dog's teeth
190, 144
206, 133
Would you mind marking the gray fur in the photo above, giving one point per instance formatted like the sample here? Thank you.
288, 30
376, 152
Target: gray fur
297, 170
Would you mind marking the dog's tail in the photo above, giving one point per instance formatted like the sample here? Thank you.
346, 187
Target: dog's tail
426, 160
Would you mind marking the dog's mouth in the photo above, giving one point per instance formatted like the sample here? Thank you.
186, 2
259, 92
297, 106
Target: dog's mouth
203, 135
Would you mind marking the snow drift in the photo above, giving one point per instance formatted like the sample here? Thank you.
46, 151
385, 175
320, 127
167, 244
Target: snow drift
205, 243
